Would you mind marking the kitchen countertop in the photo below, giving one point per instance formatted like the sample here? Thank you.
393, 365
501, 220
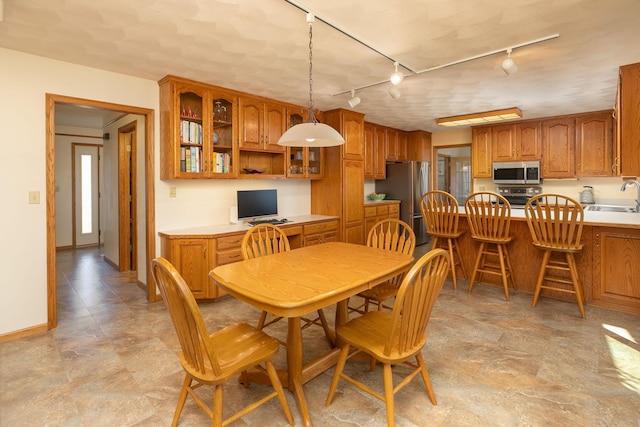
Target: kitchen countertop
377, 202
210, 230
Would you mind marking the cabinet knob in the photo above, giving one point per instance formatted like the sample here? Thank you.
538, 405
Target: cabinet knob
597, 240
204, 251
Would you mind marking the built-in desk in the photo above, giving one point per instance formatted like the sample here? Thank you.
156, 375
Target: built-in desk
196, 251
609, 263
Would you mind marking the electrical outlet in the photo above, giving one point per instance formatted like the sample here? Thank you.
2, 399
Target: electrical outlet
172, 191
34, 197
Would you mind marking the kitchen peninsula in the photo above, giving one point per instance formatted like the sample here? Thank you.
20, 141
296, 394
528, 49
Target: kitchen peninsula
608, 264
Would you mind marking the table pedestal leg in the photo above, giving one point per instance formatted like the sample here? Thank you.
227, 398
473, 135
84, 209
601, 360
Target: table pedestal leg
294, 366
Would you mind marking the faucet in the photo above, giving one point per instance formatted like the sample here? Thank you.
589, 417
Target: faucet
637, 184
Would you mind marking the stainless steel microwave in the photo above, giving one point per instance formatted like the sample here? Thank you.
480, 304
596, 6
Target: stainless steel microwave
516, 172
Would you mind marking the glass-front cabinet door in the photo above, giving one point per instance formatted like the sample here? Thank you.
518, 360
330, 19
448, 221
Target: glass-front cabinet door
304, 162
223, 135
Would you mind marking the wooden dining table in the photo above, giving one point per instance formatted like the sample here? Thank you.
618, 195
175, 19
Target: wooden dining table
294, 283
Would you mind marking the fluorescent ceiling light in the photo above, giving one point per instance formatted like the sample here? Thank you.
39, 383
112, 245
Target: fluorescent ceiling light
479, 118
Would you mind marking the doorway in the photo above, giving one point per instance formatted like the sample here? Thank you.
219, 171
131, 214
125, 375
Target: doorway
453, 170
149, 218
85, 180
127, 196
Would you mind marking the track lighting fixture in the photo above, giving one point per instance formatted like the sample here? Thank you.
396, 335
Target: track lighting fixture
394, 92
397, 76
509, 65
355, 100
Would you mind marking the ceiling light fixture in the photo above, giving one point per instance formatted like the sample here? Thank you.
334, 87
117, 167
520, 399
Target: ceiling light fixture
394, 92
355, 100
509, 65
397, 76
311, 133
479, 118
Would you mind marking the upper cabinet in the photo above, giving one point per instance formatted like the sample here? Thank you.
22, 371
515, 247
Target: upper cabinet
374, 151
481, 152
558, 148
419, 146
197, 131
628, 120
528, 140
516, 142
262, 123
594, 145
503, 143
396, 145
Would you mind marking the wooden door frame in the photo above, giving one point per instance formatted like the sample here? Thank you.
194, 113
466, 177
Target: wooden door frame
74, 218
50, 127
127, 171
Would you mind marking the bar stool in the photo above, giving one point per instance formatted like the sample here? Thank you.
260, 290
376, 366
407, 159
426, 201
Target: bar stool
440, 212
489, 217
555, 222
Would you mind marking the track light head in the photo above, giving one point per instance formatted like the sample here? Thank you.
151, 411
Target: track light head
509, 66
355, 100
394, 92
397, 76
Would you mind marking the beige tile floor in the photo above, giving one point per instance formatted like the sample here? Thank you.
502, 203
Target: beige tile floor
112, 362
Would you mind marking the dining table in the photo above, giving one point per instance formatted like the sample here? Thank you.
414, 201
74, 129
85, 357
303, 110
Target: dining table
294, 283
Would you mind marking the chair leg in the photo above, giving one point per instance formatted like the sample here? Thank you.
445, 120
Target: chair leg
541, 274
277, 386
575, 279
425, 378
216, 416
342, 360
263, 318
388, 394
464, 270
476, 265
453, 263
327, 330
182, 398
503, 270
508, 258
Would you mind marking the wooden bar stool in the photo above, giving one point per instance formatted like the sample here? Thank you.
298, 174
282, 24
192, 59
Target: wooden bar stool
489, 217
440, 212
555, 222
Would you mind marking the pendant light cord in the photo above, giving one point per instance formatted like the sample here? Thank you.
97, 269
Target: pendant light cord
311, 118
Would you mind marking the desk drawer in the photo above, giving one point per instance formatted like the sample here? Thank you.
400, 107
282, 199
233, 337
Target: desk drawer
369, 211
228, 257
229, 242
321, 227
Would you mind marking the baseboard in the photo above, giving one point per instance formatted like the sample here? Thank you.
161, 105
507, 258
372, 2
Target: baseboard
23, 333
111, 263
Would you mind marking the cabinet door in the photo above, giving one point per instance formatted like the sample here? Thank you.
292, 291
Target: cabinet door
628, 118
353, 215
380, 162
192, 131
275, 123
369, 150
481, 152
353, 127
392, 144
222, 161
558, 148
250, 123
616, 271
402, 146
419, 146
193, 259
503, 143
528, 140
594, 145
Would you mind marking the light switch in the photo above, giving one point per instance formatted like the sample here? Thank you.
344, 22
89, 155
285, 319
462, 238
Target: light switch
172, 191
34, 197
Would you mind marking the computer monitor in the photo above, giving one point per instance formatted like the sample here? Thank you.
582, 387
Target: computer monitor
257, 203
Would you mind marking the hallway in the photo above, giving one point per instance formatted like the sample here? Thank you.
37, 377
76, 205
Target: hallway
112, 362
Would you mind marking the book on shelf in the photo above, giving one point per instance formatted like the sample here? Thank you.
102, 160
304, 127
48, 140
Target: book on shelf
187, 164
191, 132
183, 160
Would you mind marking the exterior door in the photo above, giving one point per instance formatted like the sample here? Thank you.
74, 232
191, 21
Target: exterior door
86, 192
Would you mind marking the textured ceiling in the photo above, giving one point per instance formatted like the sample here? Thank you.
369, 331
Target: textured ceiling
261, 47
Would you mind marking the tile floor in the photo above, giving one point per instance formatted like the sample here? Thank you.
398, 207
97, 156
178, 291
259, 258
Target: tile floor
112, 362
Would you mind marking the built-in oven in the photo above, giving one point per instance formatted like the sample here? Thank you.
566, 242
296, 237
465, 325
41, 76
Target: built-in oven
520, 195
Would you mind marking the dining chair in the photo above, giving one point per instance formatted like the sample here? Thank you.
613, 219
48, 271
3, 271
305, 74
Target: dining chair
394, 339
214, 359
489, 218
269, 239
555, 222
440, 213
391, 235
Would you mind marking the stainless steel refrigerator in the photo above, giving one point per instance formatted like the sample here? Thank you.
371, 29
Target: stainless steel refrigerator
407, 182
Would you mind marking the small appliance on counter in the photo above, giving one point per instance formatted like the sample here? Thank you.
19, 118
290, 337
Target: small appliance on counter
586, 195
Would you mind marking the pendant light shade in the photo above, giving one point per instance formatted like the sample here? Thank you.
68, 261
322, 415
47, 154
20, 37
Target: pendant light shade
311, 133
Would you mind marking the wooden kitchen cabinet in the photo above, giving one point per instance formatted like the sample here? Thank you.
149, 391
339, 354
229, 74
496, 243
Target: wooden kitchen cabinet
594, 145
262, 123
529, 140
503, 143
322, 232
481, 160
516, 142
616, 268
193, 258
373, 213
558, 148
419, 146
195, 142
374, 151
628, 120
396, 145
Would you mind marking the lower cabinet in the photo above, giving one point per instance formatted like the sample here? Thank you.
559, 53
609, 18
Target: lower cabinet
375, 213
616, 268
195, 256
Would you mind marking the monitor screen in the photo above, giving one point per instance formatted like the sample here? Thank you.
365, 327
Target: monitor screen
256, 203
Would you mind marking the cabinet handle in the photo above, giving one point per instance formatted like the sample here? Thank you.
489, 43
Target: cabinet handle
234, 256
204, 251
597, 240
614, 166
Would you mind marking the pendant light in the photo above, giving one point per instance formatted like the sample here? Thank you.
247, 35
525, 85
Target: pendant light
509, 66
311, 133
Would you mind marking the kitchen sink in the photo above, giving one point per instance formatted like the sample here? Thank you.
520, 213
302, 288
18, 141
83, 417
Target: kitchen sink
612, 208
